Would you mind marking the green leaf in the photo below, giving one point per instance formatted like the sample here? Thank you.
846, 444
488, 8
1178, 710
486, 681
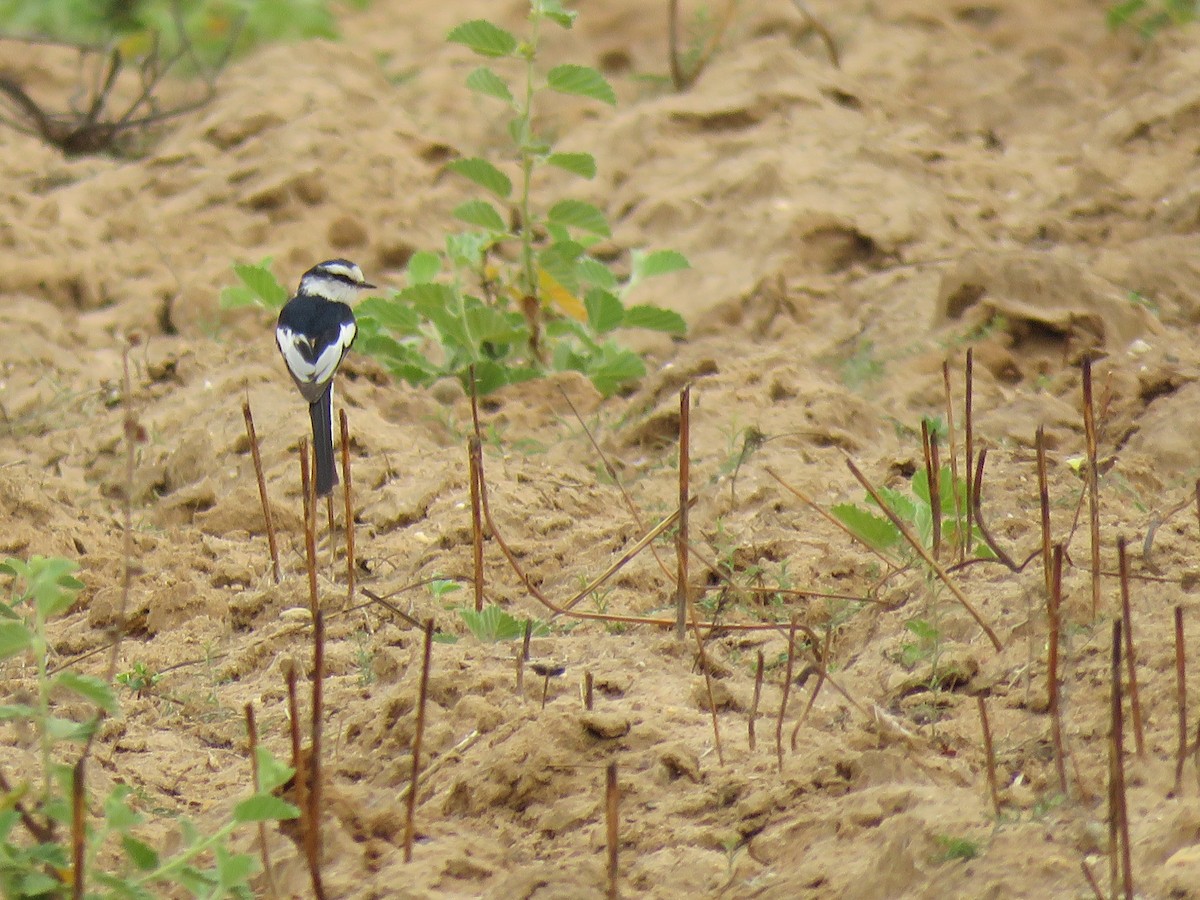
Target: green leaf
60, 729
233, 869
494, 624
89, 687
392, 314
491, 325
581, 81
263, 286
614, 371
604, 310
16, 711
660, 262
581, 215
141, 854
581, 164
875, 531
559, 260
484, 38
482, 214
272, 773
117, 812
553, 10
422, 267
596, 273
484, 174
264, 808
15, 638
484, 81
654, 318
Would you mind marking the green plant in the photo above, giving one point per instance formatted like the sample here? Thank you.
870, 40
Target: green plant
915, 510
952, 848
139, 679
862, 367
494, 624
38, 844
927, 645
520, 293
1148, 17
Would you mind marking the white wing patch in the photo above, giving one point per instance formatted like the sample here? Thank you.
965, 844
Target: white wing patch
293, 346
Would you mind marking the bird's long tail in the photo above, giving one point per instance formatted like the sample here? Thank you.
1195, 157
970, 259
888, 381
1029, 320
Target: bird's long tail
321, 414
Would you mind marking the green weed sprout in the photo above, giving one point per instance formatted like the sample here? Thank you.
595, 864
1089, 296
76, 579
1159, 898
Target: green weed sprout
1149, 17
493, 624
519, 293
36, 814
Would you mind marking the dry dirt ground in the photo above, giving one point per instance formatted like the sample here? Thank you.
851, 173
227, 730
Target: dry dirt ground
1007, 176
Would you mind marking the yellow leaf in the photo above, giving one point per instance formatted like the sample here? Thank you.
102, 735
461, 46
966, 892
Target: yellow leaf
558, 296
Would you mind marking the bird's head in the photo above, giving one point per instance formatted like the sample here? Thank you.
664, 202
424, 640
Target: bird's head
335, 279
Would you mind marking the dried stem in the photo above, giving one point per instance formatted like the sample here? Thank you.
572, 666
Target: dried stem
474, 454
977, 504
588, 690
681, 539
1091, 880
952, 444
419, 734
924, 554
822, 32
1181, 696
308, 487
1044, 503
758, 683
989, 751
931, 482
969, 442
787, 685
302, 780
78, 835
1120, 864
1054, 606
612, 802
268, 519
1135, 705
318, 718
822, 677
1093, 482
348, 495
256, 778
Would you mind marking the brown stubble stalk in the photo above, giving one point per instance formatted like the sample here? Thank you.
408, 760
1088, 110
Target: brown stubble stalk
474, 455
1044, 503
952, 446
268, 519
1120, 865
78, 835
787, 684
989, 751
612, 804
256, 778
969, 442
681, 539
1093, 482
1181, 696
758, 683
302, 781
348, 496
924, 554
1135, 704
307, 487
331, 528
418, 737
931, 482
588, 690
1054, 705
318, 719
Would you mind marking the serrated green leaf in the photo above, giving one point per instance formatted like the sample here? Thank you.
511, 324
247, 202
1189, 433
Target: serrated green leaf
482, 214
264, 286
559, 262
264, 808
60, 729
655, 318
604, 310
484, 38
494, 624
272, 772
15, 638
553, 10
422, 267
581, 164
142, 855
16, 711
484, 81
89, 687
614, 371
233, 869
391, 314
581, 215
581, 81
875, 531
595, 273
117, 812
660, 262
484, 174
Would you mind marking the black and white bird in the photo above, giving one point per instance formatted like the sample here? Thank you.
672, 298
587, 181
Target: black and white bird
315, 329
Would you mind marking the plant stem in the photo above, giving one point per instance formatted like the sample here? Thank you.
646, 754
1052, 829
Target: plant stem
525, 116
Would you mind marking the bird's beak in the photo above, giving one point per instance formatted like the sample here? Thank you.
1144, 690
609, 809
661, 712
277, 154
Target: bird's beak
366, 287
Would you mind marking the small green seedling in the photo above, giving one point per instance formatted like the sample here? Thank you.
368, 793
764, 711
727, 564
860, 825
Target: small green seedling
493, 624
139, 679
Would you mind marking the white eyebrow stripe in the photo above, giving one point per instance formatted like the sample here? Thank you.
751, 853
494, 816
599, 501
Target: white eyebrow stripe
320, 370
